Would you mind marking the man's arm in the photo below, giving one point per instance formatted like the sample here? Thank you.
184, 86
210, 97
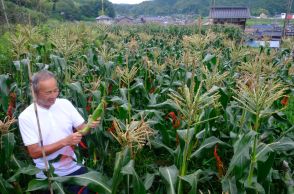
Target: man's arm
35, 150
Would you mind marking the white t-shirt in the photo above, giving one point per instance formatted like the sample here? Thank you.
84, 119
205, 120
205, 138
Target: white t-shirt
56, 123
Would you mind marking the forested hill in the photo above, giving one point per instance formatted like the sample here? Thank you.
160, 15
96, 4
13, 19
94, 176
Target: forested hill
201, 7
39, 11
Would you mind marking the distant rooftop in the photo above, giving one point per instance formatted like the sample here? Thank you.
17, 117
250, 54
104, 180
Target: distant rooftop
223, 12
103, 17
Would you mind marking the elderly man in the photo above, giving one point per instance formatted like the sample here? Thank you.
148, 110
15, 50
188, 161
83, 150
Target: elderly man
57, 117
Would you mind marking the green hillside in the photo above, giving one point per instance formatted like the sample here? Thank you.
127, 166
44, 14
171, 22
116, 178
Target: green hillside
38, 11
200, 7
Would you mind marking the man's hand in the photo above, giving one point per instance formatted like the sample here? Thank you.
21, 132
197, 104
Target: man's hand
73, 139
35, 150
85, 128
94, 124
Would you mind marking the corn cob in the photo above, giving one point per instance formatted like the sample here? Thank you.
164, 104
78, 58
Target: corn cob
96, 114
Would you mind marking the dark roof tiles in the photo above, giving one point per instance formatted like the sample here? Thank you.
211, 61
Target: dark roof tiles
229, 12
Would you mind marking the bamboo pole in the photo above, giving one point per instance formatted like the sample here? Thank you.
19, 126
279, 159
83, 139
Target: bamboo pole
39, 129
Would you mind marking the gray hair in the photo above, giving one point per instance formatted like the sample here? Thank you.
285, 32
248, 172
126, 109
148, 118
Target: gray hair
41, 76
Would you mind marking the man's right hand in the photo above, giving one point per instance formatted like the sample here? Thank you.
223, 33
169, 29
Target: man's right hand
35, 150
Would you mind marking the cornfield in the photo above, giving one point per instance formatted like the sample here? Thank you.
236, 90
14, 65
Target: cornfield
187, 110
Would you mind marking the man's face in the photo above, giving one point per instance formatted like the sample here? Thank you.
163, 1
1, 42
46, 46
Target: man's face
48, 92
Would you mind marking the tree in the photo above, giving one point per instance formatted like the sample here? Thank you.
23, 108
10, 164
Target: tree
5, 14
54, 5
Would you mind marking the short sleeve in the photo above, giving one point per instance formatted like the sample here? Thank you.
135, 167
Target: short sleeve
76, 117
28, 131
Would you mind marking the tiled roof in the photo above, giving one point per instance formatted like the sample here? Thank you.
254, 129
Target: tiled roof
229, 12
103, 17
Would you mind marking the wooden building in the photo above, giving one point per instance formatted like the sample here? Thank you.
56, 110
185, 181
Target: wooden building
229, 15
103, 19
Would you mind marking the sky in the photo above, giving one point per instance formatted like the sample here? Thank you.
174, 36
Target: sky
127, 1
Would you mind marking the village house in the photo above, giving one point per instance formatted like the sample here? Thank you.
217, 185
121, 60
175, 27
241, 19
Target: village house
230, 15
103, 19
124, 20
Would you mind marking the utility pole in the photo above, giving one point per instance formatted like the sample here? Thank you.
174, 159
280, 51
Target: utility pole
4, 10
286, 21
102, 7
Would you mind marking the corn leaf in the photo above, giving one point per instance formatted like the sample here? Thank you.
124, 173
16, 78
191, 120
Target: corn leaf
208, 143
93, 180
29, 170
170, 175
241, 156
8, 142
138, 186
193, 180
149, 178
5, 187
37, 184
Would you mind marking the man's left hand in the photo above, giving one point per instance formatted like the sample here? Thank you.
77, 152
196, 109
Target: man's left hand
94, 124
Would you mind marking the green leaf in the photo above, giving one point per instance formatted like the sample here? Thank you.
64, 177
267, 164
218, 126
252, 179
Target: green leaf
264, 167
122, 158
3, 84
93, 180
76, 87
58, 188
4, 91
229, 185
263, 152
29, 170
209, 59
183, 134
148, 181
79, 97
8, 142
254, 187
193, 180
208, 143
137, 183
118, 100
284, 144
16, 65
4, 186
59, 63
241, 155
168, 104
38, 184
138, 85
170, 175
157, 144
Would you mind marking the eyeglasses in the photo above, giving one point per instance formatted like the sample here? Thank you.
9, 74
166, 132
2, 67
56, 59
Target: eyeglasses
50, 92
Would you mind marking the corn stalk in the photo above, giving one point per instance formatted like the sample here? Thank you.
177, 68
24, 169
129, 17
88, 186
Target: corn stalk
191, 105
126, 77
257, 96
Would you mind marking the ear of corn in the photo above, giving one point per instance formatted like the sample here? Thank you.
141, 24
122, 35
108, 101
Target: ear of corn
96, 114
